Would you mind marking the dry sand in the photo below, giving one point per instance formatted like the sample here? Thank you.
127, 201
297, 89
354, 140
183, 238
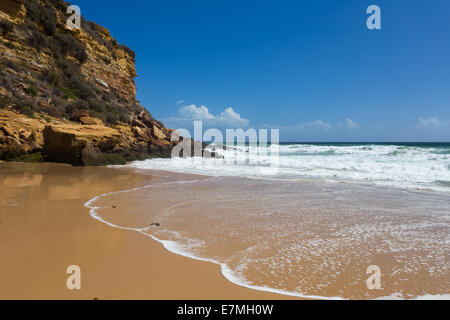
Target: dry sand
44, 228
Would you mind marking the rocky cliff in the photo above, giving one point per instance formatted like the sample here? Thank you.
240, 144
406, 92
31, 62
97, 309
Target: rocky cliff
69, 95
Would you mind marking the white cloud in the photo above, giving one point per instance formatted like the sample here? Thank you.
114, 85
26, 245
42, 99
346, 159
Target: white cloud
348, 124
319, 124
229, 115
192, 112
227, 118
433, 122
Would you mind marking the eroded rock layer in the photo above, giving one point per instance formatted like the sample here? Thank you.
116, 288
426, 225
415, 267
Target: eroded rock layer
69, 94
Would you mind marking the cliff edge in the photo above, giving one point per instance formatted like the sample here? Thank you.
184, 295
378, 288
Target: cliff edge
69, 95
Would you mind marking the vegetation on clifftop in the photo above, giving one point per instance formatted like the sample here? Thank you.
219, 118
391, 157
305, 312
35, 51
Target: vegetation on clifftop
64, 81
76, 89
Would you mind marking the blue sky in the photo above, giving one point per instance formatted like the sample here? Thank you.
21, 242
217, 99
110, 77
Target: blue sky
311, 68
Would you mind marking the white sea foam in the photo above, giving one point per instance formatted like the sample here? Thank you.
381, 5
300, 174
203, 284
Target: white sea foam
399, 296
389, 165
182, 250
289, 253
434, 297
386, 165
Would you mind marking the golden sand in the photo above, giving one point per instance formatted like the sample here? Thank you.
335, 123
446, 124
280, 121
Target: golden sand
44, 228
308, 239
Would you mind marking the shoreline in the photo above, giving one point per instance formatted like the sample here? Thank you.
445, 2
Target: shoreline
116, 261
351, 183
225, 271
44, 228
177, 247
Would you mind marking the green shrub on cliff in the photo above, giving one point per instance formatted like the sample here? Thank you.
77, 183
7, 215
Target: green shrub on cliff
35, 38
67, 44
42, 15
68, 94
46, 118
93, 30
128, 50
63, 86
31, 91
25, 106
53, 78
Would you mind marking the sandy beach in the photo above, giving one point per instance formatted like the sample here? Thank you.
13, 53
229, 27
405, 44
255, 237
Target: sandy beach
273, 239
308, 239
261, 154
45, 227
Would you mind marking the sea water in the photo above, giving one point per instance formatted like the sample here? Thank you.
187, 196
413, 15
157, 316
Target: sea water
313, 228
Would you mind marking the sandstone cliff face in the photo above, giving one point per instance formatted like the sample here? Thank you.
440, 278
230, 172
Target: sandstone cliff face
13, 10
50, 75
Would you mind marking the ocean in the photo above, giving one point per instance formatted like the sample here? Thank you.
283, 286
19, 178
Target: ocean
313, 227
404, 165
